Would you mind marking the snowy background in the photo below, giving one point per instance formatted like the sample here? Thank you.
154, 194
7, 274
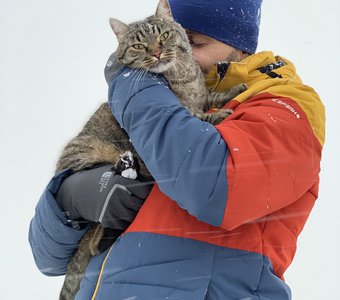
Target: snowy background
52, 55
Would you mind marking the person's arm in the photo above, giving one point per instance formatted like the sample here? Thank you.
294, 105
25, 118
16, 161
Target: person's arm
71, 202
247, 167
52, 240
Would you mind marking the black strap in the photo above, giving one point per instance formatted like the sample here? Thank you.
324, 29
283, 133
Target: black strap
75, 224
268, 69
274, 75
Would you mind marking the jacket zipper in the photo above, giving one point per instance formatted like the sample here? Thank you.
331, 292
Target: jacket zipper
101, 274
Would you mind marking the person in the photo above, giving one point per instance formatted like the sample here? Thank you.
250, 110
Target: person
222, 221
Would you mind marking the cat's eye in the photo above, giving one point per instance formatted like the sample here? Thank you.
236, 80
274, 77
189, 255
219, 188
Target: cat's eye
164, 36
138, 46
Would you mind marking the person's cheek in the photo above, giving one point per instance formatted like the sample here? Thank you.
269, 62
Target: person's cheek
201, 57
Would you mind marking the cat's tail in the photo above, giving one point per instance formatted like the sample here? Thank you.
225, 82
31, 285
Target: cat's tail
88, 247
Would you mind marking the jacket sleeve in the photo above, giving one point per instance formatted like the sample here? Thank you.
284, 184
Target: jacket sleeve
192, 163
186, 156
52, 241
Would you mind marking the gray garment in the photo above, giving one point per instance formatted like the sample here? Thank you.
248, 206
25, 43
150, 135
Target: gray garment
100, 195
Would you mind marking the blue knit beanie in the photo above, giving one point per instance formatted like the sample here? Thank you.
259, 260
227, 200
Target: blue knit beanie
233, 22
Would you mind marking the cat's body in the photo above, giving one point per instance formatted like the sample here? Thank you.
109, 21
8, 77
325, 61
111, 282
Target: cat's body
102, 140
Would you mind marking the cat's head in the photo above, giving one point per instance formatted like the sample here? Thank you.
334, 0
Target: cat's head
155, 44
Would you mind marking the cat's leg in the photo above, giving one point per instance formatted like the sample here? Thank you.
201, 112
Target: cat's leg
218, 100
85, 152
215, 117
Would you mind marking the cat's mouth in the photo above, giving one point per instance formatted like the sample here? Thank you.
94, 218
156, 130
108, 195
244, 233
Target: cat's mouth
160, 67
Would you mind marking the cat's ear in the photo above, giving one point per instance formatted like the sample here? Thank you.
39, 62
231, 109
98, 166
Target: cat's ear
119, 28
163, 10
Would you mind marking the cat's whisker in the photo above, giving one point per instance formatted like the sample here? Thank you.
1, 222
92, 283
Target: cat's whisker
180, 63
175, 68
183, 68
133, 83
138, 78
130, 86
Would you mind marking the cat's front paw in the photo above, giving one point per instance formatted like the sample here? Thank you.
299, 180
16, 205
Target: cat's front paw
220, 115
126, 166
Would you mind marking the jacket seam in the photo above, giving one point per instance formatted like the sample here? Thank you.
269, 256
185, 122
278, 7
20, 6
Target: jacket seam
263, 257
262, 244
211, 272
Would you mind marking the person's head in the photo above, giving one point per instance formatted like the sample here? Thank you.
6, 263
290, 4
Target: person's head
219, 29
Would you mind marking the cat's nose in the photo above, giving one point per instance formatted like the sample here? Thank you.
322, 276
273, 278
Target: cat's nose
157, 54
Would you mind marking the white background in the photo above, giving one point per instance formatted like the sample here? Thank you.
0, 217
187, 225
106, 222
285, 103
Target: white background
52, 55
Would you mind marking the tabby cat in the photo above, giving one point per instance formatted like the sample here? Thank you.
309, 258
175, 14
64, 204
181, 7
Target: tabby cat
160, 45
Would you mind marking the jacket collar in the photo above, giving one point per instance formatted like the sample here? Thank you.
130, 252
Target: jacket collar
249, 71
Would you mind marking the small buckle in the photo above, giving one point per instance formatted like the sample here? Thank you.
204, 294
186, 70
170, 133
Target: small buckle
72, 223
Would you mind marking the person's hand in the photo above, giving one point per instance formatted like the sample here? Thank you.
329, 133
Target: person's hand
100, 195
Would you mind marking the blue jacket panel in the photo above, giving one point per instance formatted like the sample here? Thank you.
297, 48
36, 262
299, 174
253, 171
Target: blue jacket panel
145, 266
172, 144
148, 266
52, 241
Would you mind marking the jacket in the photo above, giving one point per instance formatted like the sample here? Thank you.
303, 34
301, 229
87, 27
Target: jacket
230, 201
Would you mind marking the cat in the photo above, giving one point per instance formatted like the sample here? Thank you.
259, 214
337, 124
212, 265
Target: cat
160, 45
